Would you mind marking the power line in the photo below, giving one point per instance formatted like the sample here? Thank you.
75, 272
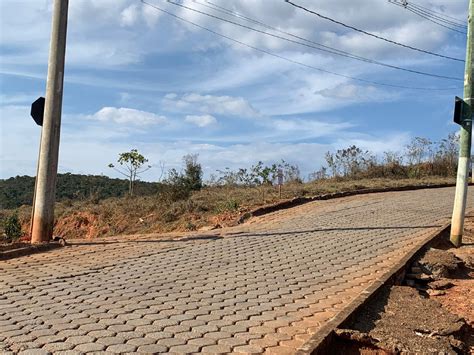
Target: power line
438, 13
291, 60
427, 17
237, 15
437, 17
431, 16
221, 9
367, 60
371, 34
423, 15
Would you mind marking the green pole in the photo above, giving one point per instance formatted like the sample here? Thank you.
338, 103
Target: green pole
459, 210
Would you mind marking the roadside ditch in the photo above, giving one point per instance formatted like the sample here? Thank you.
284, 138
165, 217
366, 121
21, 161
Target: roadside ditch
430, 310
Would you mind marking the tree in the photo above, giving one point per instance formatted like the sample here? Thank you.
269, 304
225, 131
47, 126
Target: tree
192, 172
131, 166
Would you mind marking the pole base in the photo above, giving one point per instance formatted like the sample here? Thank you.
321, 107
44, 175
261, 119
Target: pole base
456, 240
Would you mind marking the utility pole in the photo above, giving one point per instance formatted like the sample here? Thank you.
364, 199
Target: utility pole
45, 189
457, 223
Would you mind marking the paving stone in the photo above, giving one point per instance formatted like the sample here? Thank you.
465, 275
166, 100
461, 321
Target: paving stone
152, 349
184, 349
121, 348
234, 341
111, 340
141, 341
188, 335
202, 341
71, 332
58, 346
34, 352
159, 335
49, 339
169, 342
216, 349
90, 347
129, 335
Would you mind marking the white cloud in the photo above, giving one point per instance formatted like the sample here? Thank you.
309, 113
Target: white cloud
127, 116
134, 14
210, 104
201, 121
129, 15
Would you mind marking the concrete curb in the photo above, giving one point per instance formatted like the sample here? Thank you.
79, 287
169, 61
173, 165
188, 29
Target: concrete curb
320, 342
302, 200
33, 249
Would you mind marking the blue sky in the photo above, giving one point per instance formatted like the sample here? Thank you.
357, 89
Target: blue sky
138, 78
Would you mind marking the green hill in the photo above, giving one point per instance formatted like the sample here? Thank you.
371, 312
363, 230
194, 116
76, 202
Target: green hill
17, 191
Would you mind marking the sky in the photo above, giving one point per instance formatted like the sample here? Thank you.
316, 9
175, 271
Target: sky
139, 78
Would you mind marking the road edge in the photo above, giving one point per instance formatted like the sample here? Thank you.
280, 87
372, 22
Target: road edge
321, 341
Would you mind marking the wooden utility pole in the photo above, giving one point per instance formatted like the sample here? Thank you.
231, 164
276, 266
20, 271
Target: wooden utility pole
45, 189
459, 210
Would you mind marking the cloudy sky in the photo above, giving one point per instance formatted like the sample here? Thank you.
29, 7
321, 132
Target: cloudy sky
139, 78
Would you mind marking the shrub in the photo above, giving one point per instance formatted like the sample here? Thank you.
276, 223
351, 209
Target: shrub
12, 228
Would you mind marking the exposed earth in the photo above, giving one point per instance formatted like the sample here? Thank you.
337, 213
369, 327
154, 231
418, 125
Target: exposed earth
435, 314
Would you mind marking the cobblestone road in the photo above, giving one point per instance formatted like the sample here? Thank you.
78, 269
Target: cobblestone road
267, 289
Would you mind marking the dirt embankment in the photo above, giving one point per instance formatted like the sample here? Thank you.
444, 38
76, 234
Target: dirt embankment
432, 312
209, 208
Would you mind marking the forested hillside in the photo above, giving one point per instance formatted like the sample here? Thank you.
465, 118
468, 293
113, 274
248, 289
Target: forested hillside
17, 191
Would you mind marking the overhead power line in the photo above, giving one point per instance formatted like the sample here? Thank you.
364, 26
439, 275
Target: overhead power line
320, 46
333, 51
428, 17
291, 60
437, 17
454, 19
371, 34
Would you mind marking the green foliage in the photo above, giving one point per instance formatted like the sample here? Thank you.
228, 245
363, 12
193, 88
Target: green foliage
192, 172
131, 167
18, 191
12, 227
179, 185
230, 205
259, 174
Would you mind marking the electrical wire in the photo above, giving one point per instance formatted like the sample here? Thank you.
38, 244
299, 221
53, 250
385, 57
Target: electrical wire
427, 17
371, 34
438, 18
291, 60
237, 15
454, 20
367, 60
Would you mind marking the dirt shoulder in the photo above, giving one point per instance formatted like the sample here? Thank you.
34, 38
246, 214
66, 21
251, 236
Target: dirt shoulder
431, 312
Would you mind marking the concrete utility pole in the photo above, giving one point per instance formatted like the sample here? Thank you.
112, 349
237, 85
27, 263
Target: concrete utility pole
45, 190
457, 223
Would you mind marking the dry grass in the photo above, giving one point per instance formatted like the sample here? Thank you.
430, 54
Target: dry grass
212, 206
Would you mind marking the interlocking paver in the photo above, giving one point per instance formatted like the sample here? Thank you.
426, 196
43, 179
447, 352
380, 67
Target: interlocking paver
267, 289
152, 349
90, 347
121, 348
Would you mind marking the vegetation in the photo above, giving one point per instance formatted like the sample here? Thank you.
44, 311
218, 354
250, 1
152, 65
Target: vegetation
18, 191
258, 174
91, 206
12, 228
421, 158
131, 167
